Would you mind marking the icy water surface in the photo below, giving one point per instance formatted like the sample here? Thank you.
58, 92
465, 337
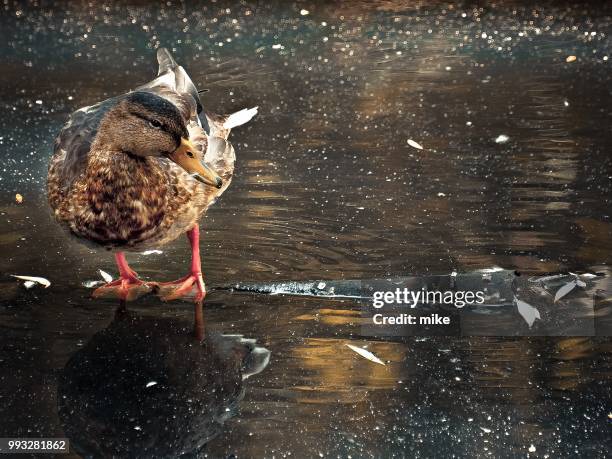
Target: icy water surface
511, 105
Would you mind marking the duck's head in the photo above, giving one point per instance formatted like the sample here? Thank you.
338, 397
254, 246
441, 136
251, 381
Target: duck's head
144, 124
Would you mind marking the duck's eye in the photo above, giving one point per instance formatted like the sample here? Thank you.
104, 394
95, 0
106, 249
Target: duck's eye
155, 124
189, 153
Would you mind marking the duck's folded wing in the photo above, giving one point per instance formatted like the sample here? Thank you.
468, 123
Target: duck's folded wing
73, 143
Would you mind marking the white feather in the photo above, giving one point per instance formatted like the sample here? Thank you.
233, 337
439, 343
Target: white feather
366, 354
414, 144
565, 290
106, 276
92, 283
239, 118
37, 280
529, 313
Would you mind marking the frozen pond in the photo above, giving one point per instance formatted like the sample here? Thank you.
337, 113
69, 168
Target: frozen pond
389, 142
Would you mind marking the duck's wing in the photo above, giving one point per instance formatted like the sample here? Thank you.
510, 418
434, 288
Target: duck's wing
73, 143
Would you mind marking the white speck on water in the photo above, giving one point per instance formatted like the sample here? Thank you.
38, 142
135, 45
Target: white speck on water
278, 46
468, 123
532, 449
151, 383
39, 102
304, 12
441, 195
321, 285
485, 430
152, 252
502, 138
137, 428
566, 103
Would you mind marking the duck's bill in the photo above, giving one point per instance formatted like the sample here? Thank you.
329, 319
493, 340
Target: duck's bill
186, 156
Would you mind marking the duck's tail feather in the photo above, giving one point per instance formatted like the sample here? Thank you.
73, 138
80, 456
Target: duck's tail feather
165, 60
221, 125
176, 77
239, 118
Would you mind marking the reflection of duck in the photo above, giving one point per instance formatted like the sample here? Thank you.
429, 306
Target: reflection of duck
144, 387
126, 173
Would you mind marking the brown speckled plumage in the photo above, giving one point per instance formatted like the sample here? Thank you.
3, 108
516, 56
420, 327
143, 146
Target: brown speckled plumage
122, 200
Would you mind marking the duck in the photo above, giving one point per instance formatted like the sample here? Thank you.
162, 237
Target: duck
136, 171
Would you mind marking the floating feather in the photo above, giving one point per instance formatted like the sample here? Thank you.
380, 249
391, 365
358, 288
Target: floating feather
366, 354
92, 283
31, 280
565, 290
528, 312
106, 276
414, 144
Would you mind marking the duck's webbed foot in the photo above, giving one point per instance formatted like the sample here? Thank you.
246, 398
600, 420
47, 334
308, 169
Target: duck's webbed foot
192, 285
128, 287
188, 287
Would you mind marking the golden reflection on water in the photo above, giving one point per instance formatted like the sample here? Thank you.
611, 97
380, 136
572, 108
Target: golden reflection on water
331, 366
597, 237
569, 372
334, 317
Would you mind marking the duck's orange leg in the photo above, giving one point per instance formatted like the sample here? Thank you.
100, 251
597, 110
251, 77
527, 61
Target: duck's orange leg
190, 286
128, 287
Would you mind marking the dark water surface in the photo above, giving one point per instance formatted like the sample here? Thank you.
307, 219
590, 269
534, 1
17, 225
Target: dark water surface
516, 172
